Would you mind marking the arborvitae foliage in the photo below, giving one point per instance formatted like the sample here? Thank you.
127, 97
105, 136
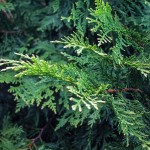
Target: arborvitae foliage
98, 95
11, 136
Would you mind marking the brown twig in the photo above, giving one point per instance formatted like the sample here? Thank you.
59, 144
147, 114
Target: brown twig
9, 32
8, 15
38, 137
124, 90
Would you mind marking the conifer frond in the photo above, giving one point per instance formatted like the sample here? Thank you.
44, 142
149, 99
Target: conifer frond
79, 43
33, 66
11, 136
6, 6
130, 118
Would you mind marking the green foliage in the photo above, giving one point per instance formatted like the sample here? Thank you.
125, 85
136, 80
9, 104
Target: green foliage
6, 6
11, 136
92, 93
130, 119
133, 13
78, 15
31, 26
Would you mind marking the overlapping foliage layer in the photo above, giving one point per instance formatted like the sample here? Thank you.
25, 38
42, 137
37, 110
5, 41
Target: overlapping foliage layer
86, 89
